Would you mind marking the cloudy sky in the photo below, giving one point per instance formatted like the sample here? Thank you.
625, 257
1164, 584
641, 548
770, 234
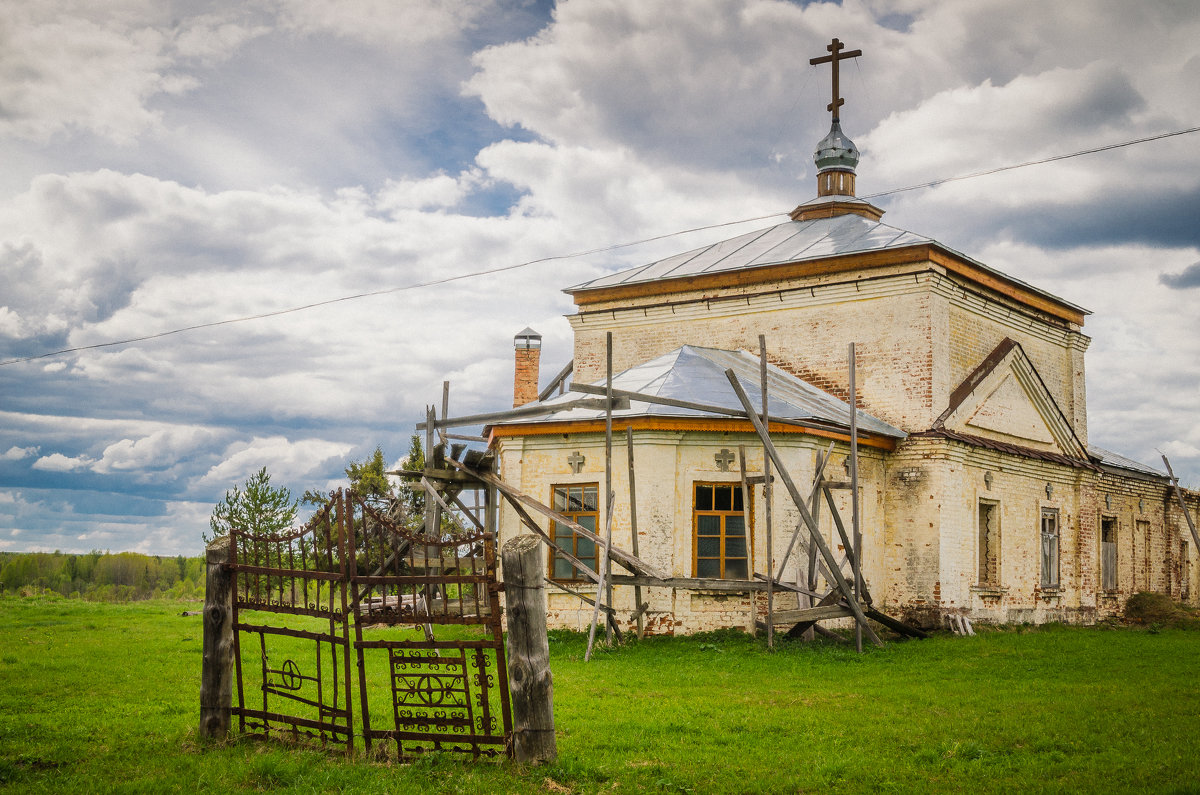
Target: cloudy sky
176, 164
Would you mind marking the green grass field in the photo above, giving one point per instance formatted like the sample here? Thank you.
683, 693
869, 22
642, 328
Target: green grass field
104, 697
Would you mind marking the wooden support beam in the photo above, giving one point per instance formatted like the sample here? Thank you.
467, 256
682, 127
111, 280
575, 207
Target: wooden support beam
748, 530
557, 381
633, 531
1182, 503
814, 531
821, 461
514, 414
768, 498
813, 614
604, 571
640, 397
630, 562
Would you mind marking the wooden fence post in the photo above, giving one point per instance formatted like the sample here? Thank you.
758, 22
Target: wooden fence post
216, 677
528, 652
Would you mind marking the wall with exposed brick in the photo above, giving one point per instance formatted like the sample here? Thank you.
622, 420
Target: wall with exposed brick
806, 334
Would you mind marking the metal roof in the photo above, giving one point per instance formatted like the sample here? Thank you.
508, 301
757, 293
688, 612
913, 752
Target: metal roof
791, 241
1110, 459
698, 375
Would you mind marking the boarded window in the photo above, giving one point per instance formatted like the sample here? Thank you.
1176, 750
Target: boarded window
1050, 548
989, 543
579, 503
1108, 553
1142, 539
720, 542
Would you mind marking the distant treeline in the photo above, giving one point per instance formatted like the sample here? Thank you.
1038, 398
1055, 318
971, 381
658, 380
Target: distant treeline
102, 576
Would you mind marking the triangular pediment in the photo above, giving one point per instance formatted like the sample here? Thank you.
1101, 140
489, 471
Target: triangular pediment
1004, 399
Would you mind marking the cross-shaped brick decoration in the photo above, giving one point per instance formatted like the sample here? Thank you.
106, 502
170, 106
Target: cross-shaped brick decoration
575, 461
724, 459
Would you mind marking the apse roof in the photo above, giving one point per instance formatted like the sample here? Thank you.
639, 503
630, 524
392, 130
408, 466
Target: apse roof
697, 375
1110, 459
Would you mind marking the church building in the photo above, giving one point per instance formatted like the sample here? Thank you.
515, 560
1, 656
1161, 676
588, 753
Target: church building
978, 493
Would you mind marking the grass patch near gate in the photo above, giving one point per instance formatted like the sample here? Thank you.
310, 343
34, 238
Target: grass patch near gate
104, 697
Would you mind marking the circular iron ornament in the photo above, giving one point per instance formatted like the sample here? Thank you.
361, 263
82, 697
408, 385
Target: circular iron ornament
429, 691
289, 676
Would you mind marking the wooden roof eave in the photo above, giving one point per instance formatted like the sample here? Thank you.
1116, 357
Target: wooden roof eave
710, 424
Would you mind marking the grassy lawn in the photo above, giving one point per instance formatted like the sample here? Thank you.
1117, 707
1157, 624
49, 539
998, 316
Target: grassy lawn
103, 697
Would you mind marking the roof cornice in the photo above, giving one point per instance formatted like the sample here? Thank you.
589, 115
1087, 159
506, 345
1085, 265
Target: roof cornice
933, 252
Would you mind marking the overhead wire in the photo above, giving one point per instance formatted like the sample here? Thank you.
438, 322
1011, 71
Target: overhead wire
588, 252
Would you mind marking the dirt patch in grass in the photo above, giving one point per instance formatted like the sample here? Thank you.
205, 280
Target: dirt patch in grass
1157, 610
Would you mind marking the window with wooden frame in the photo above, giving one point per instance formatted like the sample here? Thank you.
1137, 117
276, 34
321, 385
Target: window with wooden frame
1108, 553
1050, 538
720, 541
581, 504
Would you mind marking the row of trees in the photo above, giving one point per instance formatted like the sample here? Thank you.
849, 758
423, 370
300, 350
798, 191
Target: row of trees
102, 576
257, 505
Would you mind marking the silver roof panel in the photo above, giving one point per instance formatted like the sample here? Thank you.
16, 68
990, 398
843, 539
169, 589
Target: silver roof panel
698, 375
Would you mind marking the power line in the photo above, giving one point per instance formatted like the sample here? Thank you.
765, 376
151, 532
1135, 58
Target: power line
385, 291
1044, 160
600, 250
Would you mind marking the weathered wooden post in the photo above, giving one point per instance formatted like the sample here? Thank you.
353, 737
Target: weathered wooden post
528, 652
216, 677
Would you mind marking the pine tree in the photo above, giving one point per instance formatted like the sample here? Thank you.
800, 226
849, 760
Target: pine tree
259, 509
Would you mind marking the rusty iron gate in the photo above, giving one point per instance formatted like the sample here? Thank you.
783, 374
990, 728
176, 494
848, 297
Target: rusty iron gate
298, 597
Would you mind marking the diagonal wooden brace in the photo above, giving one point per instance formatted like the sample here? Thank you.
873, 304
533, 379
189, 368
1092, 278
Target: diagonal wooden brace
797, 498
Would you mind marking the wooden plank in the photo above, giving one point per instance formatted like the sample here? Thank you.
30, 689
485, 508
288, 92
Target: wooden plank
856, 560
633, 530
608, 489
513, 414
705, 407
557, 381
822, 613
603, 567
896, 624
630, 562
841, 528
749, 539
768, 508
815, 532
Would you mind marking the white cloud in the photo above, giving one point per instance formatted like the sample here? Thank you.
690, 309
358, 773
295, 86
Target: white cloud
285, 460
382, 22
57, 462
159, 450
15, 453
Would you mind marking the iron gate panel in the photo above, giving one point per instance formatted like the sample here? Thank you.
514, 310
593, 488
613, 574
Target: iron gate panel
299, 685
351, 562
445, 695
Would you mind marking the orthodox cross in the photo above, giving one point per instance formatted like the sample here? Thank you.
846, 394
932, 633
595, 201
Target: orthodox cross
724, 459
575, 461
835, 55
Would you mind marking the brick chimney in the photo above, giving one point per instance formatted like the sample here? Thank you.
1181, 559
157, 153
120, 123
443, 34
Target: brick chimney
528, 345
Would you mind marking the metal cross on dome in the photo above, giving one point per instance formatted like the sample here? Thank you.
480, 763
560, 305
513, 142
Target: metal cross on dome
835, 55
